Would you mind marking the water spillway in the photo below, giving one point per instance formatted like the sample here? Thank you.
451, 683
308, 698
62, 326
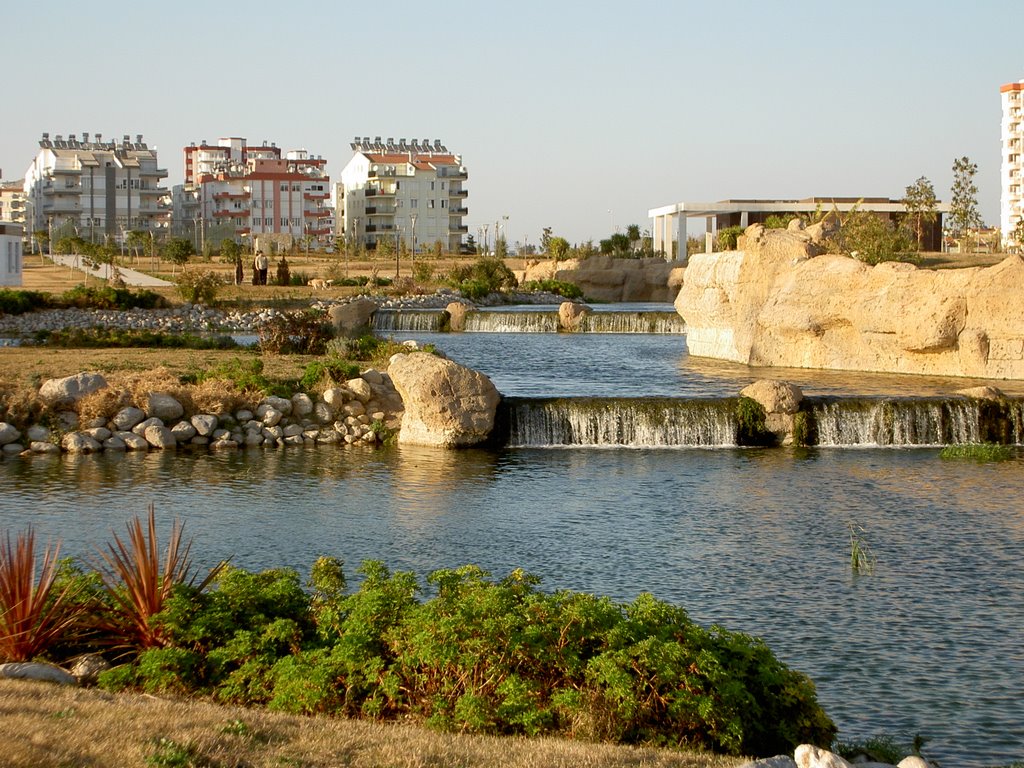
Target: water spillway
714, 423
528, 321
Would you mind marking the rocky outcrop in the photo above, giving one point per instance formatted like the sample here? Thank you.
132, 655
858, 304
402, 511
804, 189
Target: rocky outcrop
353, 318
571, 314
604, 278
457, 315
446, 404
781, 402
777, 302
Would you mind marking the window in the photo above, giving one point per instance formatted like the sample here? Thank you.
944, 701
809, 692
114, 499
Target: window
268, 222
284, 222
430, 203
284, 187
444, 203
255, 221
414, 203
431, 186
442, 185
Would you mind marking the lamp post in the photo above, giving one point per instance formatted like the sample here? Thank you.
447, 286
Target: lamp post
412, 217
504, 227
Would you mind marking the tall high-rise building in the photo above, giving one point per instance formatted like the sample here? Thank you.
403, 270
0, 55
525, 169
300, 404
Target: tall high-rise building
95, 189
1011, 174
405, 191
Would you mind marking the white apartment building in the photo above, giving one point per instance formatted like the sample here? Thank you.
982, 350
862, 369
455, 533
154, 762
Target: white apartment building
95, 189
407, 191
12, 202
1011, 174
10, 254
233, 190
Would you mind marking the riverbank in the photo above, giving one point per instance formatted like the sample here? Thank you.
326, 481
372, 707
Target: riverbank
50, 725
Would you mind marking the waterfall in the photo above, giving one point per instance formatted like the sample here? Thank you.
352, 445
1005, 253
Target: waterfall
528, 321
635, 423
916, 421
512, 322
410, 320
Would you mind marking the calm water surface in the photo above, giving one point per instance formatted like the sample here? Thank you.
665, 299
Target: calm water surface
754, 540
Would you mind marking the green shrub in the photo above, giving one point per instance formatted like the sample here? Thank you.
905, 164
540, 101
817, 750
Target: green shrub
102, 338
284, 276
978, 452
108, 297
299, 333
728, 237
482, 277
328, 371
16, 302
246, 374
422, 272
558, 287
872, 239
199, 286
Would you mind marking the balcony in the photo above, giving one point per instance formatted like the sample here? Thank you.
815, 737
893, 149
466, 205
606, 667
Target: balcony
463, 211
456, 175
62, 206
375, 191
458, 193
318, 214
230, 195
458, 229
315, 195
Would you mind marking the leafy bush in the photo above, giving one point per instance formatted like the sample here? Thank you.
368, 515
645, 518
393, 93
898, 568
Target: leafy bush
284, 276
330, 370
728, 238
247, 375
20, 302
872, 239
302, 333
199, 286
108, 297
557, 287
484, 276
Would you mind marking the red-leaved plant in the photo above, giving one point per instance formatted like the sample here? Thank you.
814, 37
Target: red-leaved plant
139, 581
33, 614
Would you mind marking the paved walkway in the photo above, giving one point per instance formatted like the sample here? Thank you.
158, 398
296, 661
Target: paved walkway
130, 277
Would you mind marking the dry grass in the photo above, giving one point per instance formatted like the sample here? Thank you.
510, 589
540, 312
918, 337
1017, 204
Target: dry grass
45, 725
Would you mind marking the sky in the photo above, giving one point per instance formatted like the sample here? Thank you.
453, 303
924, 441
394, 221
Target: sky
579, 115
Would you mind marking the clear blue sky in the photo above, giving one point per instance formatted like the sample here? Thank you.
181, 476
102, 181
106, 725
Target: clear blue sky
563, 111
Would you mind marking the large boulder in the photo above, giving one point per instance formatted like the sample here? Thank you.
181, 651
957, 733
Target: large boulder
66, 391
776, 302
446, 404
352, 319
32, 670
571, 314
8, 433
160, 405
457, 315
609, 279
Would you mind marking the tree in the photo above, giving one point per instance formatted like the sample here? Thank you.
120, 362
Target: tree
1017, 235
633, 233
501, 248
134, 241
558, 248
42, 237
963, 204
921, 203
178, 250
230, 250
545, 240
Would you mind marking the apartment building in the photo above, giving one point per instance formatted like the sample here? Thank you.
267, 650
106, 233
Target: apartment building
96, 189
406, 191
1011, 173
234, 190
12, 202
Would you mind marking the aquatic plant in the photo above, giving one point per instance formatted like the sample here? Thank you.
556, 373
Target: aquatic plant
978, 452
862, 561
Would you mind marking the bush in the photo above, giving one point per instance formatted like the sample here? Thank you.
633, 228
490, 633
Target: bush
199, 286
728, 237
283, 272
99, 338
557, 287
482, 277
330, 370
20, 302
246, 375
978, 452
873, 239
108, 297
302, 333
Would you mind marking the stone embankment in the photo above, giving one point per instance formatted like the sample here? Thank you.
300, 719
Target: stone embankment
808, 756
364, 410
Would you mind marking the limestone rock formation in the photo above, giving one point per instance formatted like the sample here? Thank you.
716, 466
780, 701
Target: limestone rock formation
608, 279
446, 404
777, 303
780, 400
457, 315
571, 314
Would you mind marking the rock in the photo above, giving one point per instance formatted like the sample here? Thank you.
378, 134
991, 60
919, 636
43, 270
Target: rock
30, 670
163, 406
354, 408
779, 761
99, 434
160, 437
808, 756
982, 393
37, 433
127, 418
336, 396
776, 303
282, 404
133, 442
608, 279
360, 390
142, 426
77, 442
183, 431
352, 319
293, 429
8, 433
913, 761
43, 446
446, 404
88, 668
775, 396
302, 405
269, 415
243, 416
571, 314
12, 449
457, 311
204, 423
323, 413
372, 377
70, 389
114, 443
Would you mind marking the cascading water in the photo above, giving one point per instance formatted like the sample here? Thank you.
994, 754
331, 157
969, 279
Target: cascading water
635, 423
528, 321
919, 421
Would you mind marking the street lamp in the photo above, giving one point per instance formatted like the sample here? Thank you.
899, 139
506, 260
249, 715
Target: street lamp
413, 216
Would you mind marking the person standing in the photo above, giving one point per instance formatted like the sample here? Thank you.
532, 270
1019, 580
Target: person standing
262, 265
